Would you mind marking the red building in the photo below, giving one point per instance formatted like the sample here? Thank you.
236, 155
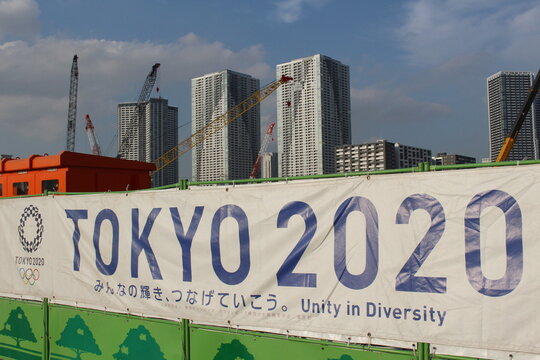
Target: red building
72, 172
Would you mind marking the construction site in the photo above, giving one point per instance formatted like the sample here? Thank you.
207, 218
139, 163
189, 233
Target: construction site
425, 262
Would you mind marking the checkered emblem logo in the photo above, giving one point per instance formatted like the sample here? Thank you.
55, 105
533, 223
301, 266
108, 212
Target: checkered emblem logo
31, 213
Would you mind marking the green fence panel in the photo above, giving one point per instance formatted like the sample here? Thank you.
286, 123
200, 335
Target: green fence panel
211, 343
21, 329
75, 333
90, 335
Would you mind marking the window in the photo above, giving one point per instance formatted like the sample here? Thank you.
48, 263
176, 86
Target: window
0, 189
49, 185
20, 188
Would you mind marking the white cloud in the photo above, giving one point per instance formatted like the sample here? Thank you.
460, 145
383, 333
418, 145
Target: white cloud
527, 22
36, 77
31, 117
289, 11
437, 30
19, 19
392, 106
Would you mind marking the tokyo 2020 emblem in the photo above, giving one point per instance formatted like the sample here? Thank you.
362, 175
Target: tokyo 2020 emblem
31, 244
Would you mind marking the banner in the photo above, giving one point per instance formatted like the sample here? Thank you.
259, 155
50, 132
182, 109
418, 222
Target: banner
441, 257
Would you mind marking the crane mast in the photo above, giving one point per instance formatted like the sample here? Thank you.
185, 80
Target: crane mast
126, 138
72, 109
92, 138
264, 146
218, 123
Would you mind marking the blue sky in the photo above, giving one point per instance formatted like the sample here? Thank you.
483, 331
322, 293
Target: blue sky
418, 67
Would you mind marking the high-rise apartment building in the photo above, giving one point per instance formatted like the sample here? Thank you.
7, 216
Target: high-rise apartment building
379, 155
507, 91
269, 165
230, 153
313, 115
153, 134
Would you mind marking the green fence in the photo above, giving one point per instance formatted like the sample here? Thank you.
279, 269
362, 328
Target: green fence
90, 334
211, 343
22, 329
33, 330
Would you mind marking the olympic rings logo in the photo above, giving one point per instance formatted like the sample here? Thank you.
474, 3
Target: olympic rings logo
29, 276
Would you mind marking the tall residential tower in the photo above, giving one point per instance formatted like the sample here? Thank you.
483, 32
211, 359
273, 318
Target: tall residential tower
154, 134
314, 115
507, 91
230, 153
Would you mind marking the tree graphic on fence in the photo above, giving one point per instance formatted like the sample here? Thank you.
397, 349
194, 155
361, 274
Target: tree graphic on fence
139, 345
343, 357
233, 351
18, 327
78, 337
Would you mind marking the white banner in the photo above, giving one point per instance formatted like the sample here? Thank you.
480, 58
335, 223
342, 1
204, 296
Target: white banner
441, 257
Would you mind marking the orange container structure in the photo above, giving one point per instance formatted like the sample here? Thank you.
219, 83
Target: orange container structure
72, 172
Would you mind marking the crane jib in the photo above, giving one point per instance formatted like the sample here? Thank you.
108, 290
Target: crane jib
218, 123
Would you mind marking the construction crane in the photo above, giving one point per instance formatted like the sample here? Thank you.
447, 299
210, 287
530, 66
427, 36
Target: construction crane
126, 138
72, 109
92, 138
511, 139
264, 146
218, 123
